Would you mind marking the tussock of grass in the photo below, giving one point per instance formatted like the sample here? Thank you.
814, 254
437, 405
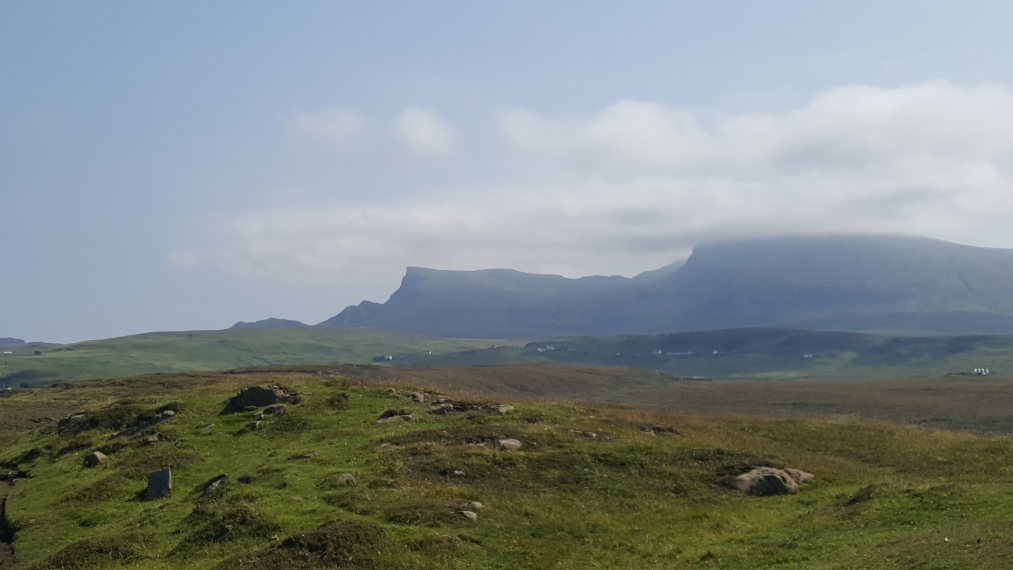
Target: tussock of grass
222, 521
97, 552
111, 418
341, 544
104, 489
146, 460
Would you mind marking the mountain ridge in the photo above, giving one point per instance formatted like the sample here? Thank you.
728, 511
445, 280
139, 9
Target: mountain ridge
865, 283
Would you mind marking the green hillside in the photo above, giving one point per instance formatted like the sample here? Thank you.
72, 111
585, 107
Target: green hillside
213, 350
325, 485
735, 354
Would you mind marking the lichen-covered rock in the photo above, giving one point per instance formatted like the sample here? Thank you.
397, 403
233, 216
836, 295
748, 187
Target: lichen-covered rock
346, 479
258, 396
510, 444
94, 459
391, 416
443, 408
394, 419
215, 485
767, 481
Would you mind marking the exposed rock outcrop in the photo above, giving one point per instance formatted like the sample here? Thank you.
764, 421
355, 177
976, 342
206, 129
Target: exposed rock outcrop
94, 459
259, 396
767, 481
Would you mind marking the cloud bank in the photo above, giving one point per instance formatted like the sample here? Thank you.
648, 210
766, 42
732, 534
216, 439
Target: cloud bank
333, 125
636, 184
424, 130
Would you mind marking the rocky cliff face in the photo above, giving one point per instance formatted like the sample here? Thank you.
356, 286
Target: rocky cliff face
861, 283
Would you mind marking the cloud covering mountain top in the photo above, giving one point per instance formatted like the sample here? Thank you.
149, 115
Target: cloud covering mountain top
638, 183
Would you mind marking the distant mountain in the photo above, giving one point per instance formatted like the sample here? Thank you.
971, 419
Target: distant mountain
9, 342
266, 323
871, 283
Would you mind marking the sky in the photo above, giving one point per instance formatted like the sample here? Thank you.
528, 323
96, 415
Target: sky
185, 165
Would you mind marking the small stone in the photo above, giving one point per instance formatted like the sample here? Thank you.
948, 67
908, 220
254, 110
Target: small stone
458, 473
254, 425
504, 409
94, 459
304, 456
395, 419
474, 506
510, 444
164, 415
766, 481
215, 484
417, 397
346, 478
159, 484
444, 408
208, 428
470, 515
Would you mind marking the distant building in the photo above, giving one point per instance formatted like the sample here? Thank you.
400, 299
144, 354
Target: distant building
982, 371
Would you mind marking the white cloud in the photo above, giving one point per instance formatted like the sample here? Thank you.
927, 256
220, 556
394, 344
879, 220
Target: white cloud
330, 125
423, 130
637, 184
841, 130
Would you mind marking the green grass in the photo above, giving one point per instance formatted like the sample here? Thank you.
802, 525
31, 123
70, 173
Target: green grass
215, 350
590, 488
736, 355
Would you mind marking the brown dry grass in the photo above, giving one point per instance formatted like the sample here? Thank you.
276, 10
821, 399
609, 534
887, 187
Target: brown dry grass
980, 404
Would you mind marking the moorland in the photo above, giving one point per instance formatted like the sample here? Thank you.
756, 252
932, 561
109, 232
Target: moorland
326, 484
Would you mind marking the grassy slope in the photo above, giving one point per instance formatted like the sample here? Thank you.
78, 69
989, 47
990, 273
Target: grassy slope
886, 496
741, 354
216, 350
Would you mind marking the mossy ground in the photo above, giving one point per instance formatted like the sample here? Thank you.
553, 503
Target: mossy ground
590, 488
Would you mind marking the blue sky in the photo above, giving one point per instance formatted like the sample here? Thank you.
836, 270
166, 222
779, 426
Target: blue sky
184, 165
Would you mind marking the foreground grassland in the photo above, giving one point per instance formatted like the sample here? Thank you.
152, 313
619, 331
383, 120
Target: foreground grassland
592, 487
